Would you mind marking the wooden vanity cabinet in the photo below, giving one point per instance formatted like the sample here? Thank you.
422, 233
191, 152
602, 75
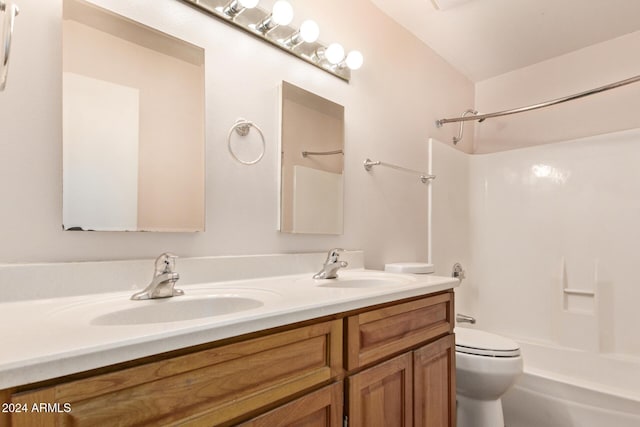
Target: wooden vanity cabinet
414, 388
388, 365
217, 386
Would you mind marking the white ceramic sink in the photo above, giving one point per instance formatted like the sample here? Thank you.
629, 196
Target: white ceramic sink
197, 304
214, 302
177, 309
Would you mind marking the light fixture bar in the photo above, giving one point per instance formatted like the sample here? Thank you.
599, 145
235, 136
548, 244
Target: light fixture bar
280, 36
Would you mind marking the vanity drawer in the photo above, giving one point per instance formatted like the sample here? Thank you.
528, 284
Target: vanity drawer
209, 387
377, 334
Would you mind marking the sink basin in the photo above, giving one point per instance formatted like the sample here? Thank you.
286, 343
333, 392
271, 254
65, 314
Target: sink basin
195, 304
177, 308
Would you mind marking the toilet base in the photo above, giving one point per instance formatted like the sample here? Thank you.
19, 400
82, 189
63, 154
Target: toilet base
479, 413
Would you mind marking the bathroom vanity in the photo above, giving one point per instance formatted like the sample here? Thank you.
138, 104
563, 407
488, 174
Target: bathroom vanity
373, 348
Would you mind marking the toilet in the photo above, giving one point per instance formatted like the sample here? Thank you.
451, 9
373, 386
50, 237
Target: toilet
487, 365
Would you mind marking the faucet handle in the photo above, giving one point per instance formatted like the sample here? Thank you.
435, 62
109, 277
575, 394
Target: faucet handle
334, 254
166, 263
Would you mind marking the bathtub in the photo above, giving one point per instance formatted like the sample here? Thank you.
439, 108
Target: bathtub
563, 387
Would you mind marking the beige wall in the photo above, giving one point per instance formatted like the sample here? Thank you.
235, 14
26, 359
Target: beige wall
565, 75
390, 108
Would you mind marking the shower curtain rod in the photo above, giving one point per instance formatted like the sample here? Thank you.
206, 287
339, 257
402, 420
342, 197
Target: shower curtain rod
481, 117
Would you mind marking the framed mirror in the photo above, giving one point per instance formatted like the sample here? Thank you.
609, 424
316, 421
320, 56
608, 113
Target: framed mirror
311, 162
133, 125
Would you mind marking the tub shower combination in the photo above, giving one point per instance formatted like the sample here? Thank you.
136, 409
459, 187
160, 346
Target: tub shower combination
552, 231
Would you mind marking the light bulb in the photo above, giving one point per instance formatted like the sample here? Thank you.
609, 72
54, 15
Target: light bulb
282, 13
334, 53
309, 31
236, 7
354, 60
249, 4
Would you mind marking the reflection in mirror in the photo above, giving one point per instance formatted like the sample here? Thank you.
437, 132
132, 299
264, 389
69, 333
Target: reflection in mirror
133, 125
312, 162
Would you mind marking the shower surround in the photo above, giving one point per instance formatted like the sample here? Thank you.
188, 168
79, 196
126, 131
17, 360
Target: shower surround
554, 240
552, 248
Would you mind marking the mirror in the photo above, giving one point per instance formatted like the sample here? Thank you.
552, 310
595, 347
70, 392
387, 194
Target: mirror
133, 125
311, 162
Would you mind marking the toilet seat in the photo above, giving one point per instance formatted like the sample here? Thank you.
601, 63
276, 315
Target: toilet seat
481, 343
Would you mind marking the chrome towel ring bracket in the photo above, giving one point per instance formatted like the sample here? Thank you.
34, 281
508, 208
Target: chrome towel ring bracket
242, 127
11, 11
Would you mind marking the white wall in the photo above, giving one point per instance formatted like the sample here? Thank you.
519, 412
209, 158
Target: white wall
390, 105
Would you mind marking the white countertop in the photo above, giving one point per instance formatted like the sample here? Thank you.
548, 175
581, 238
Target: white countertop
48, 338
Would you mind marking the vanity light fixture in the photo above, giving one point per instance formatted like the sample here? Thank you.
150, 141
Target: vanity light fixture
236, 7
273, 26
308, 32
281, 14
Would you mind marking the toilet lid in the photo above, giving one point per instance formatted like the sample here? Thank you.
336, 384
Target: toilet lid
481, 343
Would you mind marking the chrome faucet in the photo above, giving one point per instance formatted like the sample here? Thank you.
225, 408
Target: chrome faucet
463, 318
331, 265
164, 280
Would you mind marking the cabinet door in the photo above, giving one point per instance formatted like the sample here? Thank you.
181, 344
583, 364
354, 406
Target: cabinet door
381, 396
322, 408
434, 384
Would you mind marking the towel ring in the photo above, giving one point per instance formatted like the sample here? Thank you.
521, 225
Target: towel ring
242, 127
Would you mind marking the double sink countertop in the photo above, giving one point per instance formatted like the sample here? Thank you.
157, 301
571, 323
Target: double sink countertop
53, 337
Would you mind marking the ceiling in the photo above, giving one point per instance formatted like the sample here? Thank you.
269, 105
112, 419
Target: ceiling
486, 38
